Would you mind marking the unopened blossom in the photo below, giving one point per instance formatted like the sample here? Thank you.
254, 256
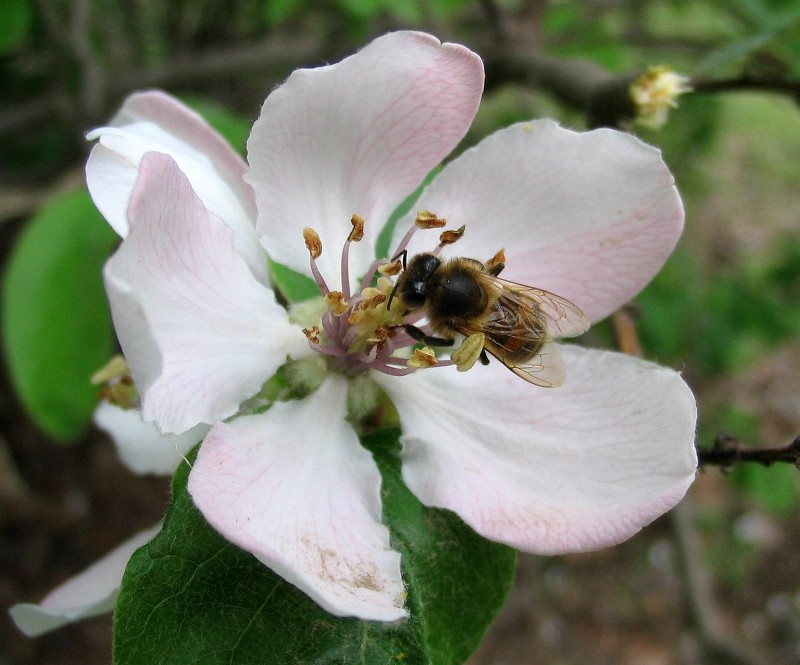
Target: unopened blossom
590, 217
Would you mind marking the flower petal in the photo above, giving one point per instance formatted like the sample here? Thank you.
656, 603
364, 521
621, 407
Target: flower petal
140, 445
155, 122
294, 487
199, 331
357, 137
92, 592
574, 468
588, 216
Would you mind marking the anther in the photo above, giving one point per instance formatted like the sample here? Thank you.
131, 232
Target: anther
312, 334
358, 228
336, 303
495, 265
392, 268
422, 358
114, 369
449, 237
313, 243
428, 220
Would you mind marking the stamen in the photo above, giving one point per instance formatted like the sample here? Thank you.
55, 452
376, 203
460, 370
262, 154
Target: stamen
314, 246
356, 234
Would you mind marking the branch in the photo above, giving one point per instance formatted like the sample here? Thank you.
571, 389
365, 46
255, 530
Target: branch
728, 451
748, 82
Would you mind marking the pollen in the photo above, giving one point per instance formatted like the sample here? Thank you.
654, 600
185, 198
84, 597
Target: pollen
422, 358
466, 355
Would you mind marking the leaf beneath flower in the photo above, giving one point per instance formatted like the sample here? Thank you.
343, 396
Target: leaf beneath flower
191, 597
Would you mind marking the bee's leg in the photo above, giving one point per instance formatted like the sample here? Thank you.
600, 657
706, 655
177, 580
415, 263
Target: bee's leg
420, 336
483, 357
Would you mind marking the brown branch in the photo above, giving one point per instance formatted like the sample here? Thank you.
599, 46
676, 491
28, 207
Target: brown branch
728, 451
748, 82
581, 84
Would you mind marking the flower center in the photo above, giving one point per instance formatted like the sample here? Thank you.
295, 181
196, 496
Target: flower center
369, 329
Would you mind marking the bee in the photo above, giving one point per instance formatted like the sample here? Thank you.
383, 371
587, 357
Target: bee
464, 296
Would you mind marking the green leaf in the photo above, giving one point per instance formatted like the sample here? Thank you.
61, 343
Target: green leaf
16, 17
56, 325
278, 11
191, 597
294, 286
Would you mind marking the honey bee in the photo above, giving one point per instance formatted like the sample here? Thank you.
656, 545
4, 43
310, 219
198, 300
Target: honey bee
464, 296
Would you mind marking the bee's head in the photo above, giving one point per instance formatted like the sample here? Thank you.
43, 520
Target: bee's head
412, 286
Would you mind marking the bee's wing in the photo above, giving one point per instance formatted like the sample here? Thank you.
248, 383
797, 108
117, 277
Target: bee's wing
558, 316
544, 368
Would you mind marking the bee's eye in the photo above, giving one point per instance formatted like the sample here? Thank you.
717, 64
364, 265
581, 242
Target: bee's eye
414, 294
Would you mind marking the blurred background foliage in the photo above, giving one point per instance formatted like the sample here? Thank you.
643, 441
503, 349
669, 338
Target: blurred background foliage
724, 310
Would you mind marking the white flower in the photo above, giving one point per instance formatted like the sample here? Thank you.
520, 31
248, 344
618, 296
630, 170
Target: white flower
590, 217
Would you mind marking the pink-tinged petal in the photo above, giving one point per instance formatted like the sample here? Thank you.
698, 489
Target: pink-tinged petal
588, 216
199, 331
574, 468
92, 592
294, 487
155, 122
140, 445
357, 137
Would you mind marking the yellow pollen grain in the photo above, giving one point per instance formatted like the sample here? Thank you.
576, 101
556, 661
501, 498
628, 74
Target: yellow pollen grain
313, 243
428, 220
422, 358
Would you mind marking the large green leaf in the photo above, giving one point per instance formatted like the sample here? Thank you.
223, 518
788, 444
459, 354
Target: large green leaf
191, 597
55, 321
